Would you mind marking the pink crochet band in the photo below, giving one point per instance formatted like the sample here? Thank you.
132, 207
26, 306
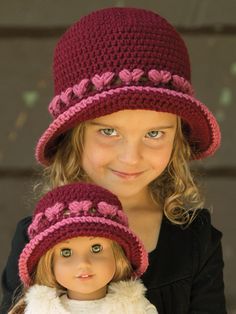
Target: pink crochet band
109, 79
85, 208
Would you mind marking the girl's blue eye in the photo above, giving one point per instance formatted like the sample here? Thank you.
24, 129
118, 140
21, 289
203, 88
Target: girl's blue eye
96, 248
66, 252
154, 134
108, 132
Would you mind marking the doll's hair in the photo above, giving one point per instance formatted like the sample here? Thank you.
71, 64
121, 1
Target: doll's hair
43, 275
123, 266
175, 190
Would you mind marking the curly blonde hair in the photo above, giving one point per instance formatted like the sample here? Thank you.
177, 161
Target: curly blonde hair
175, 190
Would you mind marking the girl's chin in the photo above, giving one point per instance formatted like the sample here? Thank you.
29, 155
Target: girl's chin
124, 189
124, 192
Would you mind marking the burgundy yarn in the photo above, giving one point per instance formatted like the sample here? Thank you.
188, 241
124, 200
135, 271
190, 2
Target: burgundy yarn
115, 39
129, 55
79, 209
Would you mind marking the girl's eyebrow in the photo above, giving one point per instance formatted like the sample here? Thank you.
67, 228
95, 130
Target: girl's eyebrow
170, 126
100, 124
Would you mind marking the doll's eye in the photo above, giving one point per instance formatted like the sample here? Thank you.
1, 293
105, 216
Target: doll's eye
96, 248
66, 252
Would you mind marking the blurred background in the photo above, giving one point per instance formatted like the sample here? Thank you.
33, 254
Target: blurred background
29, 30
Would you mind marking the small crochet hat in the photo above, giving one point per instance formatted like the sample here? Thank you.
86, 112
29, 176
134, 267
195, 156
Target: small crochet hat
79, 209
124, 58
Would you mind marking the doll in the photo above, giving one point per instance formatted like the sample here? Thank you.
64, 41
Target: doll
82, 257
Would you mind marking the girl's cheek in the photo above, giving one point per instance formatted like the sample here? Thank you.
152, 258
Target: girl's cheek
96, 158
99, 154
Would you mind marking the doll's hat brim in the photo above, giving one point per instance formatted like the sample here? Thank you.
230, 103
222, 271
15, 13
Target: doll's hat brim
82, 226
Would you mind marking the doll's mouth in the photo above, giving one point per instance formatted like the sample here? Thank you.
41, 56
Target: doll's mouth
84, 276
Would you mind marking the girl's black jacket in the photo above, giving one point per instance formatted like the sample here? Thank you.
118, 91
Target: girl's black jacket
185, 273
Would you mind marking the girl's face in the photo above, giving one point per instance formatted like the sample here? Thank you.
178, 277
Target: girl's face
84, 266
126, 150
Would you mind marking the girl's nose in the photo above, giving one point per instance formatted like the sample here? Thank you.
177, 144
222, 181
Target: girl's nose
129, 153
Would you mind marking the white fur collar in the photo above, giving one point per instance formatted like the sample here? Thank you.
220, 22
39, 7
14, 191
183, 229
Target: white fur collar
42, 299
122, 297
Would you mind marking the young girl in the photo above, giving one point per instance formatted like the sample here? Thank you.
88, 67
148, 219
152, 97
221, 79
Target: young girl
125, 117
81, 256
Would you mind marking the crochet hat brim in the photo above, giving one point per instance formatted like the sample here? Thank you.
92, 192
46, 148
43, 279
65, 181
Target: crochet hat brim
199, 125
82, 226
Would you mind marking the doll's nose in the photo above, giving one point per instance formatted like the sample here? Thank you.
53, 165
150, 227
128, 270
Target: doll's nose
83, 261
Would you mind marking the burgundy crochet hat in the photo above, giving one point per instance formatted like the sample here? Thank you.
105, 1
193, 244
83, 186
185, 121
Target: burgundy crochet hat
79, 209
124, 58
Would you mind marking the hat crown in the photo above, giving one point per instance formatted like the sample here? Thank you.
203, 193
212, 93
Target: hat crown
114, 39
79, 200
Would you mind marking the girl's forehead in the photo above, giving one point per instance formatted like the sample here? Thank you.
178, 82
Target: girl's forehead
146, 117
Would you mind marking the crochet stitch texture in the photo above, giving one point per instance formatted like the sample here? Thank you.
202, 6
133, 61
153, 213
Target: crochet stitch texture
79, 209
124, 58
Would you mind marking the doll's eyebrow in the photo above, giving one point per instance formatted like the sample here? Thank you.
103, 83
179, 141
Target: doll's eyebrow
68, 242
65, 242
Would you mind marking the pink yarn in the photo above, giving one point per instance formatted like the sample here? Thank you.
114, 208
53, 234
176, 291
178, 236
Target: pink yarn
65, 96
75, 207
127, 76
80, 89
99, 82
52, 212
103, 80
53, 107
34, 225
159, 76
180, 82
107, 209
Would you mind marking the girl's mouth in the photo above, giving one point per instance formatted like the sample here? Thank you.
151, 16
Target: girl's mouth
127, 175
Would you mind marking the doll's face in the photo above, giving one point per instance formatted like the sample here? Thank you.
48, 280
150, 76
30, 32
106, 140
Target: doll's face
128, 149
84, 266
